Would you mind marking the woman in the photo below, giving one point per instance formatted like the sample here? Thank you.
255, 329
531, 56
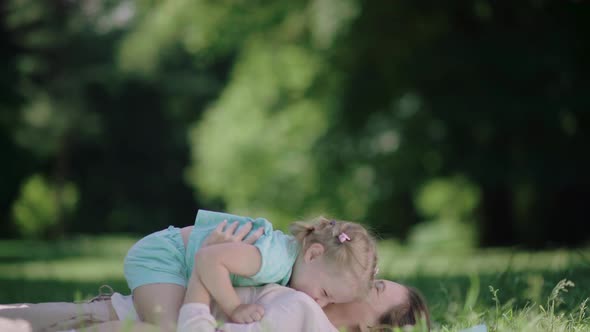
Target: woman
388, 304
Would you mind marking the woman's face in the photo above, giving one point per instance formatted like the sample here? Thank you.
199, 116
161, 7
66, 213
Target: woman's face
362, 315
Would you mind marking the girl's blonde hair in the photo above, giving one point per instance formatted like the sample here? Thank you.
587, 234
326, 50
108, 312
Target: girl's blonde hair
347, 245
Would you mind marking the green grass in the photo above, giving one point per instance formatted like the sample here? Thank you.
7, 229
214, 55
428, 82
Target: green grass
32, 271
507, 290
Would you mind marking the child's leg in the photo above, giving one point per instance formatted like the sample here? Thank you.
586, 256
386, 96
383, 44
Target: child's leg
159, 304
155, 270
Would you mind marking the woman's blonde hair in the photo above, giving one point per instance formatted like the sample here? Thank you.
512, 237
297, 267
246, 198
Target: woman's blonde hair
347, 245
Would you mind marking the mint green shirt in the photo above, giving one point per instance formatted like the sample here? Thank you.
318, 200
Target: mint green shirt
277, 249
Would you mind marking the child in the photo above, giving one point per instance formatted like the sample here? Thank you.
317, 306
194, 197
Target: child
331, 261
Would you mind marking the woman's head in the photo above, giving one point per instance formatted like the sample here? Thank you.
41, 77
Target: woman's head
410, 312
388, 305
337, 260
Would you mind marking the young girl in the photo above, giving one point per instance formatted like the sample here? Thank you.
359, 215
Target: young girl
331, 261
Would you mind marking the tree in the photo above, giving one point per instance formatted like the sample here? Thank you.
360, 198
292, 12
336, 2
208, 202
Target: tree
116, 134
342, 107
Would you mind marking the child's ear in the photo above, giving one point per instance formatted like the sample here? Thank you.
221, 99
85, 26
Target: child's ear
313, 251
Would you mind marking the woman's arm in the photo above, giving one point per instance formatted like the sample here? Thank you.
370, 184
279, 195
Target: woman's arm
195, 314
197, 317
57, 316
120, 326
288, 311
213, 266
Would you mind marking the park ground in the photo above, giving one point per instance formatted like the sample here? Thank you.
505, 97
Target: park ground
506, 289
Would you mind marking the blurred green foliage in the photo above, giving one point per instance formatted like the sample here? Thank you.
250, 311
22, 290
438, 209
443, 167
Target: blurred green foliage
443, 123
448, 206
38, 209
452, 200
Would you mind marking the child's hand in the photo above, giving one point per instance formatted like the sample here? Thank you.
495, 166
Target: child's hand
247, 313
229, 234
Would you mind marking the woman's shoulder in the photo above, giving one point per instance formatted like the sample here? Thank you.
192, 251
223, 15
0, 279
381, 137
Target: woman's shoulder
296, 309
270, 293
270, 289
278, 293
305, 300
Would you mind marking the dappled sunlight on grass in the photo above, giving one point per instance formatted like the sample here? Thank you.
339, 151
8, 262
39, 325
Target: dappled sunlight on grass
80, 259
398, 261
96, 258
83, 246
81, 269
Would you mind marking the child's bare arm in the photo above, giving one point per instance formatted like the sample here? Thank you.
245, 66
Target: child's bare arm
214, 264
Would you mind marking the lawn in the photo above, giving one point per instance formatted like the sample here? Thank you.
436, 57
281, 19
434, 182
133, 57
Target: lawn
508, 290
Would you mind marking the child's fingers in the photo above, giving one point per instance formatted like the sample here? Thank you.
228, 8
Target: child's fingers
219, 228
254, 236
247, 313
256, 316
229, 231
239, 235
257, 313
254, 313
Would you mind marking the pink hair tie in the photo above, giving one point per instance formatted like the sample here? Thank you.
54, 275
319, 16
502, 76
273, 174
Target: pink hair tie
343, 237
